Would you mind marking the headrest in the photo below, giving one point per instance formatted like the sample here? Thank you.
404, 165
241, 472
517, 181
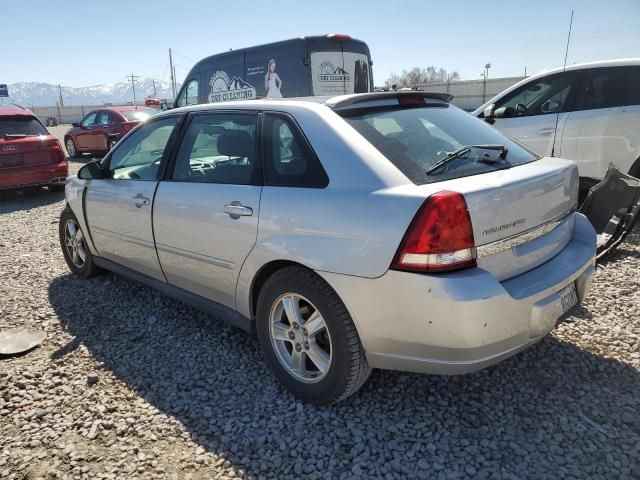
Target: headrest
235, 143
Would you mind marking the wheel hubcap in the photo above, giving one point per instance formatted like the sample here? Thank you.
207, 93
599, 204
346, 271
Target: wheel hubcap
74, 242
300, 338
71, 147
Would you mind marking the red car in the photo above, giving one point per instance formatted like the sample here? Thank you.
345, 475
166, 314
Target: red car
100, 130
29, 154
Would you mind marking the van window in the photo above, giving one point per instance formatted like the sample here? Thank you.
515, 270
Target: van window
189, 95
546, 95
609, 87
289, 160
218, 148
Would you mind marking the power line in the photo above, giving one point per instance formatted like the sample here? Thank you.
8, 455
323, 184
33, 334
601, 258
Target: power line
133, 85
183, 56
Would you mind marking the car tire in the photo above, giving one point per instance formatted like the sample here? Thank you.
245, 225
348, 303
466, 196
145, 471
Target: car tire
70, 145
74, 248
58, 187
331, 341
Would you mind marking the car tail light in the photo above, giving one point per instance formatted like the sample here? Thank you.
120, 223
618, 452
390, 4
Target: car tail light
55, 147
440, 237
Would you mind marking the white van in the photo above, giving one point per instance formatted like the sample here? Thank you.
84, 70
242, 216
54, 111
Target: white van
596, 107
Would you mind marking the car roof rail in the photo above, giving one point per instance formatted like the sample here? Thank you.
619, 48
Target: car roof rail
403, 98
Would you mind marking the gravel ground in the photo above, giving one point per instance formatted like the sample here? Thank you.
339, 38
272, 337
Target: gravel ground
130, 384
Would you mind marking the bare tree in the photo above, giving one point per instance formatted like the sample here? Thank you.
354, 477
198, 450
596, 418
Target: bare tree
421, 76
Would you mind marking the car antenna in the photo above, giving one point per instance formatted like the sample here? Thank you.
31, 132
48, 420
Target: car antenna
564, 68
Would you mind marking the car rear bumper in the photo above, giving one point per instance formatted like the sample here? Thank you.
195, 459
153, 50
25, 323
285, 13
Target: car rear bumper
51, 174
462, 321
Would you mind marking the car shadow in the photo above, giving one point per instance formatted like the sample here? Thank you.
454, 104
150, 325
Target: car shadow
553, 398
26, 198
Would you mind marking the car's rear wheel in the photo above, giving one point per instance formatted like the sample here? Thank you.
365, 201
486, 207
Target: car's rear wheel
111, 142
71, 147
308, 338
74, 246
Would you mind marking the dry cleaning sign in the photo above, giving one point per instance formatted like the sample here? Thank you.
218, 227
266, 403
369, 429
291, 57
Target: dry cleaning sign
224, 89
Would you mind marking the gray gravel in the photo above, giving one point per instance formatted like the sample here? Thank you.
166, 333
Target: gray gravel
130, 384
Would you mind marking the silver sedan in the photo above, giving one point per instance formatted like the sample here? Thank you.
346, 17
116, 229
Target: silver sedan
387, 230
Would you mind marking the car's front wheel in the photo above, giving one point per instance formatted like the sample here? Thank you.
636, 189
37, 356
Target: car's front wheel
74, 246
308, 338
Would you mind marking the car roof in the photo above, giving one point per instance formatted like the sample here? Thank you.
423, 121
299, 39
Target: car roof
125, 108
275, 45
15, 110
619, 62
616, 62
334, 102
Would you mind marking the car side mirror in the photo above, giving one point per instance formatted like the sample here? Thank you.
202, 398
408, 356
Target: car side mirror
75, 124
489, 113
91, 171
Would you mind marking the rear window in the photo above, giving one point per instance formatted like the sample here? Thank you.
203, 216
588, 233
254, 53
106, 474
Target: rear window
415, 138
21, 125
139, 115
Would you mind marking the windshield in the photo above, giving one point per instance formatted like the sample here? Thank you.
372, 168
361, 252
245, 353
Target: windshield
139, 115
415, 139
21, 125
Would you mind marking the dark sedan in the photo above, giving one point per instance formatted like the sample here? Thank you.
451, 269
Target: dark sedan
100, 130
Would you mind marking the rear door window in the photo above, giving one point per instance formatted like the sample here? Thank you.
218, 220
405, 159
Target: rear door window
21, 125
104, 118
609, 87
218, 148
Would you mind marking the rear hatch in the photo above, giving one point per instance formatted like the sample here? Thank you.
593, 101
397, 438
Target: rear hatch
520, 206
521, 216
24, 142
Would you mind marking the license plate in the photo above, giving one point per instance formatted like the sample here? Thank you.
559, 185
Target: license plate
13, 160
568, 298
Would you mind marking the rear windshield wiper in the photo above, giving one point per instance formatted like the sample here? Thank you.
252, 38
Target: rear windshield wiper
7, 136
462, 150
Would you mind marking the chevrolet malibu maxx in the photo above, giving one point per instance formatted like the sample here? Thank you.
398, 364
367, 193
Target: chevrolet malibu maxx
378, 230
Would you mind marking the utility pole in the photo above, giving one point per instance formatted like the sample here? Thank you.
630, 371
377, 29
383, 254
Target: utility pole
133, 85
485, 76
155, 92
173, 75
60, 95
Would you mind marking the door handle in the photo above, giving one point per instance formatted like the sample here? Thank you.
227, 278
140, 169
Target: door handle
236, 209
140, 200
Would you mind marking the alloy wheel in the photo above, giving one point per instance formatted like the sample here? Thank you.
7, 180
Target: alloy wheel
71, 148
300, 338
75, 244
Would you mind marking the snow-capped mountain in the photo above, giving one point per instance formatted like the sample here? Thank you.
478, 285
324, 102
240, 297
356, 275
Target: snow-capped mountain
46, 94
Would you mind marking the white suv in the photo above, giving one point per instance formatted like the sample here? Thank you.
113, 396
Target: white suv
596, 107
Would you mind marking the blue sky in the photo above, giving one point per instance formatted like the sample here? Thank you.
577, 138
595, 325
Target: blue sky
79, 43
